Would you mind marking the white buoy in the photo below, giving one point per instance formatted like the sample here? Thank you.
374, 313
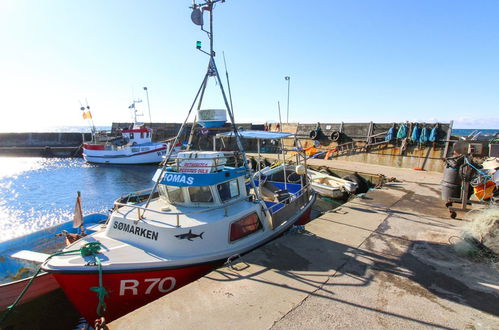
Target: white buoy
300, 170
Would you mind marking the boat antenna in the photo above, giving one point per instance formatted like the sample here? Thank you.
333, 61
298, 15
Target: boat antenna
280, 120
134, 110
148, 106
208, 5
197, 18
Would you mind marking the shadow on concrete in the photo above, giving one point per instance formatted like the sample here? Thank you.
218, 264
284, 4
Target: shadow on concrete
302, 256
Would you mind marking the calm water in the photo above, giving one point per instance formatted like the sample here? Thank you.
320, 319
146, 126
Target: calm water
468, 131
37, 193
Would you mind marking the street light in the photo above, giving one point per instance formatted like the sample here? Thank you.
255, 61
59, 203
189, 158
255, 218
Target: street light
287, 113
148, 106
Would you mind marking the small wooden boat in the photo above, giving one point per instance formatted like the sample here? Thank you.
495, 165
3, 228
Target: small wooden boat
330, 186
322, 183
16, 273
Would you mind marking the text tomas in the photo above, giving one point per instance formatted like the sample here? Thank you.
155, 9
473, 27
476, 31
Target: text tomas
179, 178
136, 230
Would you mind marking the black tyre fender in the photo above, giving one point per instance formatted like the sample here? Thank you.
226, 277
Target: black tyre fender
314, 135
335, 136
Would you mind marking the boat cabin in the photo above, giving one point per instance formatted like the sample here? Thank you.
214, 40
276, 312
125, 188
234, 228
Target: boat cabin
137, 135
201, 179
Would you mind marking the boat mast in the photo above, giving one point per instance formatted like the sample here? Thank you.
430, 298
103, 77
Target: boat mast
134, 110
212, 71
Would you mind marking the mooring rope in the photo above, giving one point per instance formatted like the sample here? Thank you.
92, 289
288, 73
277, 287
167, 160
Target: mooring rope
88, 249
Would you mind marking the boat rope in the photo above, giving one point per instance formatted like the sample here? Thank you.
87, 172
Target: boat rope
100, 290
479, 171
88, 249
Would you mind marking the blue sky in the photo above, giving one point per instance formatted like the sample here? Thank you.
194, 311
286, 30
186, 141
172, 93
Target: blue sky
351, 61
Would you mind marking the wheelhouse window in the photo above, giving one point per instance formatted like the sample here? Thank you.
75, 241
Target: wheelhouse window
200, 194
171, 194
228, 190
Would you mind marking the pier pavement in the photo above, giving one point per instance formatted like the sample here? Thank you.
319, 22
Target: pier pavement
382, 261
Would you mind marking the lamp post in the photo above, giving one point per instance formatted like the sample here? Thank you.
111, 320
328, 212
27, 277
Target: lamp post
287, 112
148, 106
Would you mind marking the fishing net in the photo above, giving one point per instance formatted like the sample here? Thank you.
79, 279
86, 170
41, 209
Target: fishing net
480, 237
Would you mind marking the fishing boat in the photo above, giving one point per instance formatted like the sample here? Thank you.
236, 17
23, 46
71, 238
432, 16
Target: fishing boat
200, 213
21, 256
133, 146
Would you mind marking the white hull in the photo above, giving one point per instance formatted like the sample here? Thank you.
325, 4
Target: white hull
330, 186
126, 155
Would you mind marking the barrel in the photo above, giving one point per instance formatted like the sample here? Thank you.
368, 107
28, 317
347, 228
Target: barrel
450, 184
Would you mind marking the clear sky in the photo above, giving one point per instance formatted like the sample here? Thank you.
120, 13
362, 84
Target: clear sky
349, 60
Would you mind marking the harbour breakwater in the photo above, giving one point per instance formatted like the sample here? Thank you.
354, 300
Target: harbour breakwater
360, 142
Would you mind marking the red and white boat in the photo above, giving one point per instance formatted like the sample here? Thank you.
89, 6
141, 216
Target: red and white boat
200, 219
133, 147
200, 213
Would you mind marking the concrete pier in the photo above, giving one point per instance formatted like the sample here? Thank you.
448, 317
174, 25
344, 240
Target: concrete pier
382, 261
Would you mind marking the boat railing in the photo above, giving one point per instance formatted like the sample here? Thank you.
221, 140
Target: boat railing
224, 206
294, 202
216, 163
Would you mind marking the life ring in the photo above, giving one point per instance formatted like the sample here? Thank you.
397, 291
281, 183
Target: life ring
335, 136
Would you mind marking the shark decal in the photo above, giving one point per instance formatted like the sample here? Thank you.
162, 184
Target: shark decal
189, 236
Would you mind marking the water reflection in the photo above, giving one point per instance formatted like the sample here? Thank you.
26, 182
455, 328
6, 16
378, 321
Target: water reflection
36, 193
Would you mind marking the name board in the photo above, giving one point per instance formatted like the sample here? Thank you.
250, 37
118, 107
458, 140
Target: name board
136, 230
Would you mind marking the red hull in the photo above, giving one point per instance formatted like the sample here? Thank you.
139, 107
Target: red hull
9, 292
126, 291
305, 217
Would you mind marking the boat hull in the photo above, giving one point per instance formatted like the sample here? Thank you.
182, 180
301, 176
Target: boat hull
328, 191
130, 289
127, 157
127, 291
43, 284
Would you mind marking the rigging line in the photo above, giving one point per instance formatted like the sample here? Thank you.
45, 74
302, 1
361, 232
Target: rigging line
173, 146
228, 83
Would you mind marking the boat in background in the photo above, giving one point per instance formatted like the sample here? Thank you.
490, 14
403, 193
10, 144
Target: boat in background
133, 146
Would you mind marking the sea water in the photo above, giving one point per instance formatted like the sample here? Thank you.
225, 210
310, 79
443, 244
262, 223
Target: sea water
37, 193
